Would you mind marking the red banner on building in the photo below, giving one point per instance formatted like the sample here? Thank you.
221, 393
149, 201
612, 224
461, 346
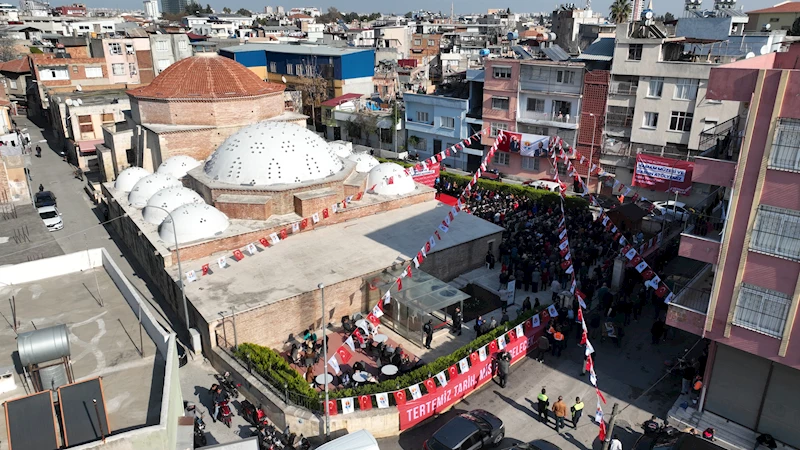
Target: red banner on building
426, 177
663, 174
512, 142
415, 411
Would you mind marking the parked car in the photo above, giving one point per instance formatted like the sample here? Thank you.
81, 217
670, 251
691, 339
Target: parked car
359, 440
538, 444
51, 218
673, 210
44, 198
551, 186
474, 430
492, 174
677, 441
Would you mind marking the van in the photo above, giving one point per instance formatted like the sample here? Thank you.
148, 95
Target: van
360, 440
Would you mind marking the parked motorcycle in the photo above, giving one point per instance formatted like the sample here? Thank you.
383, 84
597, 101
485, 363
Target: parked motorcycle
228, 385
225, 414
199, 425
254, 415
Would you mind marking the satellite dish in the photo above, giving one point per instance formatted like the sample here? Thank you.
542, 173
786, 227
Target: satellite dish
68, 102
79, 102
648, 15
283, 79
749, 55
764, 50
78, 88
767, 26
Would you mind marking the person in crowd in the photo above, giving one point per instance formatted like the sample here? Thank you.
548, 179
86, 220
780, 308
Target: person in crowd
542, 403
427, 329
560, 411
577, 411
458, 318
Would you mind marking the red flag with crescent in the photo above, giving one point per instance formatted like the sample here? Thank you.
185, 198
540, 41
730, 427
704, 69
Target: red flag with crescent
365, 402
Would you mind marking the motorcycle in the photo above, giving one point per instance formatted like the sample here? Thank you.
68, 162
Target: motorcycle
270, 438
225, 413
255, 415
228, 385
199, 426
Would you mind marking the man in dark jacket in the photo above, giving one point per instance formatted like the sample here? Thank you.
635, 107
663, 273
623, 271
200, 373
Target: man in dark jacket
457, 319
503, 366
428, 330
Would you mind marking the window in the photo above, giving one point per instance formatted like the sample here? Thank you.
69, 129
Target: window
777, 232
417, 42
182, 45
774, 19
299, 70
437, 146
680, 121
422, 116
74, 69
108, 117
650, 120
655, 87
530, 163
634, 52
163, 64
13, 84
114, 48
561, 108
118, 69
161, 46
132, 68
495, 127
785, 153
761, 310
685, 89
565, 77
431, 43
501, 158
421, 144
273, 67
129, 49
500, 103
448, 122
501, 72
535, 105
94, 72
289, 69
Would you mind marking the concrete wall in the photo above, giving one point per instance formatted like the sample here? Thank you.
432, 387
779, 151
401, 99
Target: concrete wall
227, 112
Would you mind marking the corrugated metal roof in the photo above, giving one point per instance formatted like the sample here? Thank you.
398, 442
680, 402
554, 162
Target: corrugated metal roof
600, 50
476, 75
318, 50
522, 52
555, 53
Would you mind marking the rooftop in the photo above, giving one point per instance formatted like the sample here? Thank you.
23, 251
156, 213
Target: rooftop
23, 236
600, 50
341, 99
95, 97
351, 249
297, 49
20, 65
785, 7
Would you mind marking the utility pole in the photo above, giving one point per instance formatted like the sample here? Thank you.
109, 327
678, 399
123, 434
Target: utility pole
611, 422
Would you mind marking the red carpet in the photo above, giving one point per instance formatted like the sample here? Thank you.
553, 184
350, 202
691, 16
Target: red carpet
448, 199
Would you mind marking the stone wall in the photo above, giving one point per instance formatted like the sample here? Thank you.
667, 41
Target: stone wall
223, 112
250, 207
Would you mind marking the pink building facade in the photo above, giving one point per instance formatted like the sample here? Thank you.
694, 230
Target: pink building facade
749, 312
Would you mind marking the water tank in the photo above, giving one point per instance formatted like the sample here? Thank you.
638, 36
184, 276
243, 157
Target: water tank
512, 35
43, 345
484, 52
52, 378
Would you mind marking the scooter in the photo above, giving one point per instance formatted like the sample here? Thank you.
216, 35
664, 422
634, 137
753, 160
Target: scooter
255, 415
225, 413
199, 425
230, 387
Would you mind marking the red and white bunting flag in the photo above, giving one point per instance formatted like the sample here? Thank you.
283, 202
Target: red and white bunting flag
408, 271
334, 364
600, 395
387, 297
399, 284
350, 343
416, 262
377, 311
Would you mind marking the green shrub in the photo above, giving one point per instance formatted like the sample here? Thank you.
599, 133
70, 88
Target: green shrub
546, 198
275, 369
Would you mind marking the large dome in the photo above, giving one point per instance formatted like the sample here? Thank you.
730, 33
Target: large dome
343, 149
364, 161
268, 153
380, 175
178, 166
168, 199
205, 77
149, 185
193, 222
127, 179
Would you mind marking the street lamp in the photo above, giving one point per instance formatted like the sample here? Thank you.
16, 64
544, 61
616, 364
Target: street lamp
325, 364
591, 151
180, 269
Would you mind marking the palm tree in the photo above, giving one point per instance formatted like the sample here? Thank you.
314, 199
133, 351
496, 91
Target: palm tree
620, 11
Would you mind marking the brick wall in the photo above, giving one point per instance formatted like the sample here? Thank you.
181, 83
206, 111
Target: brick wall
595, 95
310, 204
199, 144
144, 60
233, 112
253, 208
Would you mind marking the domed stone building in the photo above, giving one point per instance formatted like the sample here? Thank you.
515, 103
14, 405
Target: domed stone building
189, 109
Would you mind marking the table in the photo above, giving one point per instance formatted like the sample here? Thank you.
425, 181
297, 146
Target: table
360, 377
389, 370
323, 379
380, 338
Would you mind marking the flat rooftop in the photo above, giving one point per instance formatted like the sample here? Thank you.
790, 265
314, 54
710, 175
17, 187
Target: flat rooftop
330, 255
23, 236
104, 338
297, 49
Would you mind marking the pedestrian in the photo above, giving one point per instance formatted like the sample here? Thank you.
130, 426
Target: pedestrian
457, 319
503, 366
492, 324
479, 326
543, 347
560, 411
689, 372
38, 151
577, 410
558, 342
490, 259
543, 404
651, 427
656, 331
428, 330
536, 278
615, 443
504, 318
556, 287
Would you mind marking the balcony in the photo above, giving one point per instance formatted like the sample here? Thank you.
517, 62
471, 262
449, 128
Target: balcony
701, 240
550, 119
689, 308
623, 88
713, 171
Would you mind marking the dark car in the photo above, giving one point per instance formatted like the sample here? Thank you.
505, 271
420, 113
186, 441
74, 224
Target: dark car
492, 174
538, 444
44, 198
677, 441
469, 431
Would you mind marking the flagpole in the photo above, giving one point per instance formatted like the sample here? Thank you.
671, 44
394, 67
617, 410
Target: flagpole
325, 358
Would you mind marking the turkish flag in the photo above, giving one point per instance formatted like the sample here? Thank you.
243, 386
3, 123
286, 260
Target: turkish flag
304, 224
344, 354
400, 397
602, 435
662, 290
474, 358
648, 274
325, 213
399, 284
237, 254
264, 242
358, 336
565, 265
493, 347
427, 247
600, 395
359, 195
206, 269
430, 385
408, 271
609, 226
617, 236
626, 249
420, 258
372, 318
453, 371
635, 261
284, 234
332, 409
564, 252
583, 338
512, 336
365, 402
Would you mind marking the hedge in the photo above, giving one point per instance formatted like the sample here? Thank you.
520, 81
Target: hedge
540, 195
275, 369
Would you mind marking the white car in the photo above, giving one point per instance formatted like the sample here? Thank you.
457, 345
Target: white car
673, 210
51, 218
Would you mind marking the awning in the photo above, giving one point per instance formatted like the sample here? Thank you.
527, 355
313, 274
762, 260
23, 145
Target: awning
88, 147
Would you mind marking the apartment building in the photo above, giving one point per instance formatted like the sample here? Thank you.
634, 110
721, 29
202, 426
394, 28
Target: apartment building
778, 17
15, 75
128, 60
746, 300
534, 98
425, 47
50, 72
167, 49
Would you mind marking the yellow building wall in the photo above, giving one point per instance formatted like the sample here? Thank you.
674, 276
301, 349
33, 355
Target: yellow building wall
261, 71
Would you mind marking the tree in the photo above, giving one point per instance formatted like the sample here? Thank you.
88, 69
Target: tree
668, 17
7, 50
795, 30
193, 8
226, 10
244, 12
208, 9
368, 123
409, 15
620, 11
314, 87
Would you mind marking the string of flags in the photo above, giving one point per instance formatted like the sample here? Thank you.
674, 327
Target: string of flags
276, 237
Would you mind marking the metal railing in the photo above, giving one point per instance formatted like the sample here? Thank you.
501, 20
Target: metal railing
691, 295
550, 117
722, 141
623, 88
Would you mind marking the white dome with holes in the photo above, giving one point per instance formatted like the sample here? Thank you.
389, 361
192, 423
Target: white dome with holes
128, 178
192, 223
343, 149
148, 186
268, 153
178, 166
168, 199
364, 161
390, 179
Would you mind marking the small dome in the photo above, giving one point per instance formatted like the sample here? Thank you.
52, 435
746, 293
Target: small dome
268, 153
149, 185
379, 176
343, 149
169, 199
127, 179
364, 161
193, 222
178, 166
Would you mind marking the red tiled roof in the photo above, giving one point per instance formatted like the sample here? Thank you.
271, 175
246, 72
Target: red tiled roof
300, 16
206, 77
787, 7
196, 37
341, 99
16, 66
